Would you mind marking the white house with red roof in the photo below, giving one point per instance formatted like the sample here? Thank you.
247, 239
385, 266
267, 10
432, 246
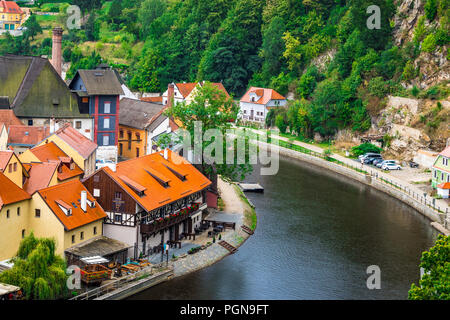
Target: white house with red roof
185, 92
256, 103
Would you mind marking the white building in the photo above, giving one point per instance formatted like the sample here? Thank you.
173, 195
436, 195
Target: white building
256, 103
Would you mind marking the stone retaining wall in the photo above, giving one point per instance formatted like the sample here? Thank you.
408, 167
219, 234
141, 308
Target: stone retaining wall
363, 178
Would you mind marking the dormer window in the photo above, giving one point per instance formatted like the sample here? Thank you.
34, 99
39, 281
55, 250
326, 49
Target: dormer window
66, 208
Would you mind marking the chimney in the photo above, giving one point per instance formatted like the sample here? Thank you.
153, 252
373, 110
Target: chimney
56, 49
166, 154
52, 125
83, 201
170, 95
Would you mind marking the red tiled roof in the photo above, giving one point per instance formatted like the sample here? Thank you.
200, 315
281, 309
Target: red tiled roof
444, 185
265, 95
10, 7
8, 118
152, 99
51, 152
69, 193
41, 174
27, 135
5, 156
10, 192
156, 195
186, 88
77, 141
445, 152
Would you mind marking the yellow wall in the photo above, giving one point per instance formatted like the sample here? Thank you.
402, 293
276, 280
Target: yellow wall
14, 176
88, 231
12, 18
77, 158
11, 228
142, 144
28, 157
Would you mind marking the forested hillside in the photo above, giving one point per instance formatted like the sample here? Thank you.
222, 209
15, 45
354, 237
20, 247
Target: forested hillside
321, 51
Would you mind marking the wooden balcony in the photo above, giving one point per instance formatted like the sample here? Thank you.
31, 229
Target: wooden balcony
157, 226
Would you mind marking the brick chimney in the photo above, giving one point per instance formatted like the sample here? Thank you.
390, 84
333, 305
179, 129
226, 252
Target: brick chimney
56, 49
170, 95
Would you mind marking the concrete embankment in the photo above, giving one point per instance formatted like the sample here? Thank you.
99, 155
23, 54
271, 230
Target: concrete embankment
431, 214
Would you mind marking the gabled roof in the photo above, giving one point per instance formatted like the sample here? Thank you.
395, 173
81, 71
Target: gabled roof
99, 82
70, 194
26, 135
136, 113
445, 152
444, 185
41, 174
10, 192
8, 118
265, 95
185, 88
76, 140
152, 172
51, 152
35, 89
10, 7
5, 156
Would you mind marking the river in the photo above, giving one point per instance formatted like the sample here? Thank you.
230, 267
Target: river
317, 233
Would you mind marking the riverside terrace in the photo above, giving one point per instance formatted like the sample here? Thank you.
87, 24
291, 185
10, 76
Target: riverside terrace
150, 200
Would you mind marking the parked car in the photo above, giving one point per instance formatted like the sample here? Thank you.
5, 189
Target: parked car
370, 159
377, 161
380, 164
367, 154
413, 164
100, 163
391, 166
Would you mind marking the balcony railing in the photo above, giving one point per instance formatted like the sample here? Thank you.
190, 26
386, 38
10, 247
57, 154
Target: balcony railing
163, 223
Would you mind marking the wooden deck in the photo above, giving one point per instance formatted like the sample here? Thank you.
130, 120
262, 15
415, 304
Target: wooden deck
247, 229
228, 246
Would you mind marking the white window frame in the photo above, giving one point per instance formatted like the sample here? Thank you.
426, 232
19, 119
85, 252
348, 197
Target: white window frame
106, 123
105, 109
105, 141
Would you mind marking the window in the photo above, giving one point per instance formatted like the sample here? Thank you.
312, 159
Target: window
96, 193
77, 124
107, 107
96, 178
121, 133
81, 235
129, 140
106, 123
137, 152
84, 99
73, 239
7, 214
106, 140
18, 211
30, 122
138, 136
245, 111
118, 195
95, 230
435, 173
15, 167
23, 233
37, 213
118, 218
442, 176
10, 168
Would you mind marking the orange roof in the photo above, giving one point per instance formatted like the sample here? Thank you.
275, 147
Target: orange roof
69, 194
444, 185
152, 99
147, 170
186, 88
10, 7
26, 135
51, 152
76, 140
8, 118
265, 95
5, 156
10, 192
445, 152
41, 174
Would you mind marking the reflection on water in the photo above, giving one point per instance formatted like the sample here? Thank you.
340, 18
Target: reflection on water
317, 233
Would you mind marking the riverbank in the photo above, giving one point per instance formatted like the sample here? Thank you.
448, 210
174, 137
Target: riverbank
235, 203
400, 190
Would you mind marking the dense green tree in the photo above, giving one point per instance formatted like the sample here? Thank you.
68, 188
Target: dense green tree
148, 12
33, 27
37, 270
435, 282
92, 28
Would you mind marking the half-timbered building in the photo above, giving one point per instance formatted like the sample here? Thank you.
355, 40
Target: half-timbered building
150, 200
